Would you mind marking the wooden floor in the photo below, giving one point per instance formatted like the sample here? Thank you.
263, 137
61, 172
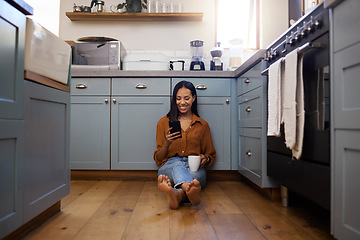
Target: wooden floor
137, 210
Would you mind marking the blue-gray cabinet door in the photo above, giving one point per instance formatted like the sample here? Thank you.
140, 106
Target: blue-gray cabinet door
346, 179
346, 142
133, 131
11, 175
216, 111
12, 39
90, 132
46, 147
346, 82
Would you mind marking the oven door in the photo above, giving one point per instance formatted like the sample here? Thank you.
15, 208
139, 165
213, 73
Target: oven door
316, 75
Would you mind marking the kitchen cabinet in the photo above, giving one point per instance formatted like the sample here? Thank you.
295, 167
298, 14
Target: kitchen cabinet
137, 106
12, 25
11, 175
252, 123
122, 122
116, 129
90, 123
12, 37
46, 171
34, 131
110, 16
345, 72
214, 104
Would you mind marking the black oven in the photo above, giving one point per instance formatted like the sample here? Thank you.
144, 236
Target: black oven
310, 175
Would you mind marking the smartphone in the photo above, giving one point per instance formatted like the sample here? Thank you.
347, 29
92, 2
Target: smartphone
175, 127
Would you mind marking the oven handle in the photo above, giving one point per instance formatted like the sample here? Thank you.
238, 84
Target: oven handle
302, 49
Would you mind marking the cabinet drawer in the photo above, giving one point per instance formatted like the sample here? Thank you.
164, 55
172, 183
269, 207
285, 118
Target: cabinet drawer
251, 109
250, 150
208, 87
90, 86
141, 86
246, 84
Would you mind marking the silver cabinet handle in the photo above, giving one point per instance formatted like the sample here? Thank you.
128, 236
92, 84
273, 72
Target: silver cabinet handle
81, 86
227, 101
114, 100
106, 100
248, 109
201, 87
247, 80
140, 86
249, 153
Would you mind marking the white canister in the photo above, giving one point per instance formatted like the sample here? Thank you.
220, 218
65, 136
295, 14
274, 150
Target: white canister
235, 52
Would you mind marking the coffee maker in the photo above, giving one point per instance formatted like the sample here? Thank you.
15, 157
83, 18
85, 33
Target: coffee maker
197, 63
216, 64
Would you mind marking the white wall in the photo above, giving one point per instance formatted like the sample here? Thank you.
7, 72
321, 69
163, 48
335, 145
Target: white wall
172, 38
46, 13
170, 35
144, 35
274, 20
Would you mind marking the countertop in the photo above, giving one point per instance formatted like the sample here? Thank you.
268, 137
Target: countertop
188, 74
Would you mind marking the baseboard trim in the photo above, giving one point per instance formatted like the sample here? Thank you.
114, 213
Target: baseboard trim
145, 175
270, 193
22, 231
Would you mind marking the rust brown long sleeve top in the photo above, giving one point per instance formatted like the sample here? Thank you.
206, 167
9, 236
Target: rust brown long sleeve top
195, 140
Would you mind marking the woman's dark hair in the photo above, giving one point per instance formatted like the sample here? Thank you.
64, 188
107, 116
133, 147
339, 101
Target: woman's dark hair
173, 114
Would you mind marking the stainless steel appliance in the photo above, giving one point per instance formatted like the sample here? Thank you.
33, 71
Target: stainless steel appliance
98, 52
310, 175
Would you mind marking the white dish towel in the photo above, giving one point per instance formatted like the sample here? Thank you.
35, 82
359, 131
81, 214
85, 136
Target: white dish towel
274, 98
293, 103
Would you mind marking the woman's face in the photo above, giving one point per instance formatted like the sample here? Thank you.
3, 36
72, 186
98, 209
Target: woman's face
184, 100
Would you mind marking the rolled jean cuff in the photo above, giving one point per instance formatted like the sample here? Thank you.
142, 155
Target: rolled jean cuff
178, 172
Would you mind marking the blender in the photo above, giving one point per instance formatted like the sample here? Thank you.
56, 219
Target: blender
197, 62
216, 64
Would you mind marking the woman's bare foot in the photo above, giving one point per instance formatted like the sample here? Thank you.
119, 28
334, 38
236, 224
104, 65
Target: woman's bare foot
175, 196
193, 192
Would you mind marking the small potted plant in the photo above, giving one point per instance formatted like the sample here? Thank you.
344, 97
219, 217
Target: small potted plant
133, 6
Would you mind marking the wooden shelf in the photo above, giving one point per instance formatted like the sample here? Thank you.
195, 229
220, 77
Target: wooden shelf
110, 16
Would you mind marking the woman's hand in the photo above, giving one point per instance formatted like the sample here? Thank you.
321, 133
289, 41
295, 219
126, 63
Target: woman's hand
170, 137
204, 160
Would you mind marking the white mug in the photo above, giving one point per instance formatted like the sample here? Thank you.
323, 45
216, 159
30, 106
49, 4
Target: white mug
194, 163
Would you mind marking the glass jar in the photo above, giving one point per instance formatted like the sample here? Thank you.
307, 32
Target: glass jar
235, 53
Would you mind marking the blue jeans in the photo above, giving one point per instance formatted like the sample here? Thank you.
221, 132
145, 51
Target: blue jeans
178, 172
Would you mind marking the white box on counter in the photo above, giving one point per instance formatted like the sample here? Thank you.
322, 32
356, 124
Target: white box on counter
146, 61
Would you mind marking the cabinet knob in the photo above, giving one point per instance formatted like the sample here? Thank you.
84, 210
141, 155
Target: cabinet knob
106, 100
140, 86
201, 87
249, 153
227, 101
114, 100
247, 80
81, 86
248, 109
